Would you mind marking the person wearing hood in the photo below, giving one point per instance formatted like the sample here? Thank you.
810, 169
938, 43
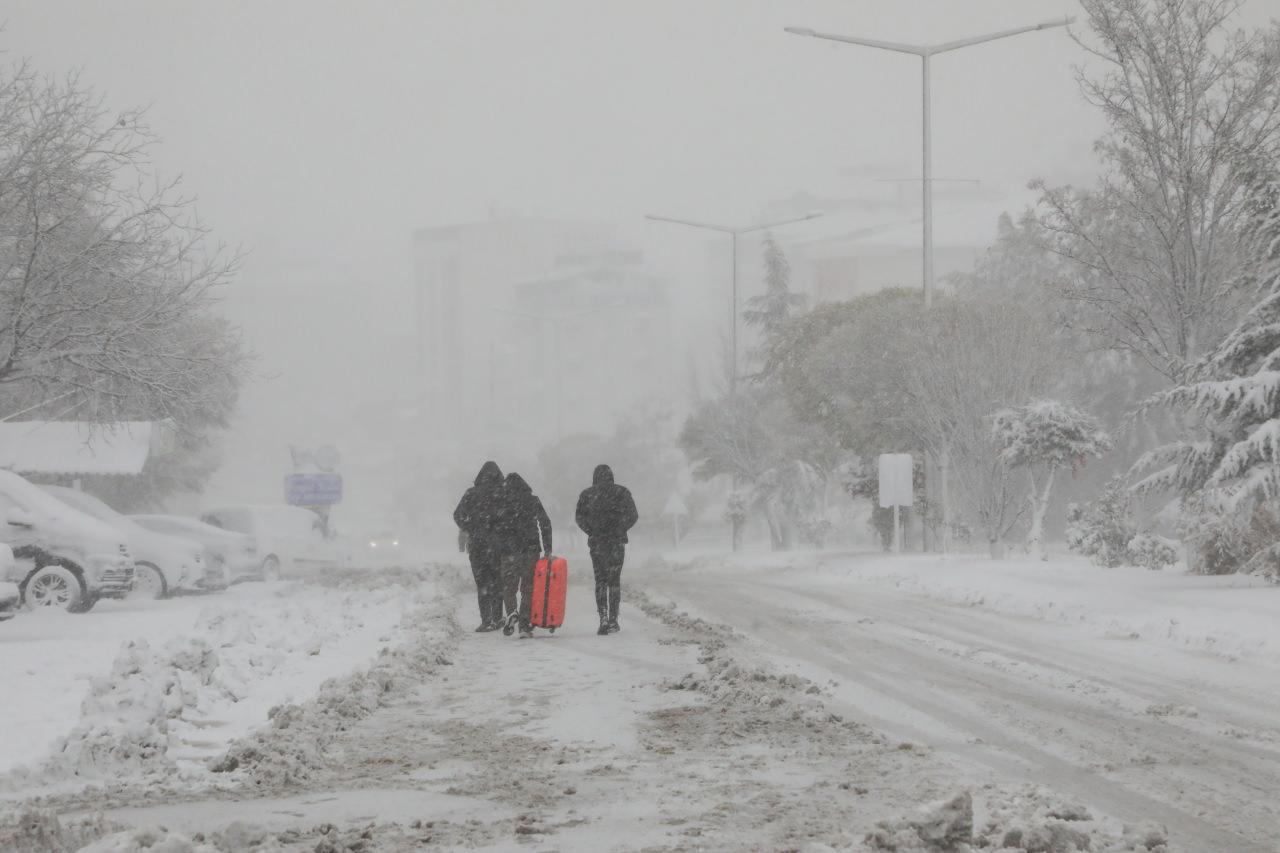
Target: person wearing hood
477, 518
525, 534
606, 511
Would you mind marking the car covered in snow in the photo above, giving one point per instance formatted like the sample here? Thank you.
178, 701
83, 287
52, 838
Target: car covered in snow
163, 565
291, 539
62, 557
10, 596
235, 553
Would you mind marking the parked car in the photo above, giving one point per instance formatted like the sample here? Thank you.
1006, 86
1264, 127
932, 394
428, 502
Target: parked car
236, 553
62, 557
290, 538
10, 597
163, 565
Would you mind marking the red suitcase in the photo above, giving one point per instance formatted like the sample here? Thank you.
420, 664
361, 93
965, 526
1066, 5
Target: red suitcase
550, 583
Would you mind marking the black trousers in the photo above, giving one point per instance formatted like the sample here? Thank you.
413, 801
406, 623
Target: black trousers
517, 576
606, 562
487, 573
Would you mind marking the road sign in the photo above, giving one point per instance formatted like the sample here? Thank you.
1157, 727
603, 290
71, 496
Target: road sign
895, 480
313, 489
896, 489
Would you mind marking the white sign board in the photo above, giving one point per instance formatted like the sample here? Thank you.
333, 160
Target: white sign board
895, 480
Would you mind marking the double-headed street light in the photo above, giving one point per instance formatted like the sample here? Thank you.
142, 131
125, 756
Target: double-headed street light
926, 52
734, 232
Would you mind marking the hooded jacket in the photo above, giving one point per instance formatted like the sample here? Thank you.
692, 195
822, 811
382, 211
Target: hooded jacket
523, 525
606, 511
477, 512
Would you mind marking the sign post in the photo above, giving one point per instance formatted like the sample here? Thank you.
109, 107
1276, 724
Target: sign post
896, 489
676, 509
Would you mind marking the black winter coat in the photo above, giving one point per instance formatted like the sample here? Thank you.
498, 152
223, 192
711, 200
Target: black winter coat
477, 514
523, 524
606, 511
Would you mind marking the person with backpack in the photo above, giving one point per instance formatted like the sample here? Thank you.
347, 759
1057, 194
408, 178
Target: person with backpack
525, 534
606, 511
477, 520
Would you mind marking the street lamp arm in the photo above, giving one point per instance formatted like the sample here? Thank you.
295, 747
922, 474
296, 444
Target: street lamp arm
764, 226
729, 229
914, 49
956, 45
724, 229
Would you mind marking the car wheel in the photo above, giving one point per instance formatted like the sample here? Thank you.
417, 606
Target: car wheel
55, 586
271, 568
148, 583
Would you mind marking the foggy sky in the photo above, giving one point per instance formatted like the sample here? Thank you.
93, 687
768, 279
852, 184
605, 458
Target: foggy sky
318, 135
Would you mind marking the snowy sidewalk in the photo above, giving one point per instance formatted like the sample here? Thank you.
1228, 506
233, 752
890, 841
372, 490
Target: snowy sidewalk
134, 685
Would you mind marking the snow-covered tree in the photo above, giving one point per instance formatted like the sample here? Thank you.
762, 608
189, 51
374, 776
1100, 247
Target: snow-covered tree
107, 284
1190, 105
771, 310
1044, 437
1230, 465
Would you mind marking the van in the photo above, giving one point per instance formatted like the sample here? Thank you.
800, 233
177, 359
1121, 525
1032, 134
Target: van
290, 539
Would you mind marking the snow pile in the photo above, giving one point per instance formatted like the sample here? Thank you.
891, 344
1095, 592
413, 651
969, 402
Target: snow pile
1025, 821
125, 719
42, 831
292, 747
942, 826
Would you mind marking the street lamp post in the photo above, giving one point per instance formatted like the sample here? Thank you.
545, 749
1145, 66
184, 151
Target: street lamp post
926, 52
734, 233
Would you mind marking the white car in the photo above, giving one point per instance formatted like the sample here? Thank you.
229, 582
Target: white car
10, 596
290, 538
236, 553
62, 557
163, 565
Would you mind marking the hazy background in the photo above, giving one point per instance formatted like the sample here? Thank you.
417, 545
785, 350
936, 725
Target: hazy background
320, 136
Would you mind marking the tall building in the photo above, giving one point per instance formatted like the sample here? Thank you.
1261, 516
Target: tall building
533, 328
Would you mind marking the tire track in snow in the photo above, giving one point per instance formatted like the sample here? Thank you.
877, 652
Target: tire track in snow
910, 674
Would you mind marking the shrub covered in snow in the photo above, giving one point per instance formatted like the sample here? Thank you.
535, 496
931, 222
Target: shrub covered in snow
1152, 551
1103, 529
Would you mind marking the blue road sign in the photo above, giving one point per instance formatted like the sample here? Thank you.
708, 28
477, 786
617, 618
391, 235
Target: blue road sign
313, 489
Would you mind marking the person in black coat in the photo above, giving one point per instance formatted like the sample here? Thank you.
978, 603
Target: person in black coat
477, 518
525, 534
606, 511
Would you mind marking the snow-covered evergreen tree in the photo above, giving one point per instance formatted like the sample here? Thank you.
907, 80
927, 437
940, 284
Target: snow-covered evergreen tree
771, 310
1230, 467
1044, 437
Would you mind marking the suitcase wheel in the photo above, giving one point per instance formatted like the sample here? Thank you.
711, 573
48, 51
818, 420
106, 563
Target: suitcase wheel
552, 630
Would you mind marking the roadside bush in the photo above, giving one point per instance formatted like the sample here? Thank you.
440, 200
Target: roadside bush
1103, 529
1152, 551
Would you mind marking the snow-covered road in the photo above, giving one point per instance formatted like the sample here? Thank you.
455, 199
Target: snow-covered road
1141, 730
776, 709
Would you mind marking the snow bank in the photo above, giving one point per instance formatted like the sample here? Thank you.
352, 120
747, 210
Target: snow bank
292, 746
1232, 615
1228, 615
167, 704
